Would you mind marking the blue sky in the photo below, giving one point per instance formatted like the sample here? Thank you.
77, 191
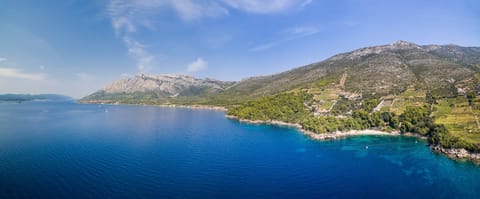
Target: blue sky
75, 47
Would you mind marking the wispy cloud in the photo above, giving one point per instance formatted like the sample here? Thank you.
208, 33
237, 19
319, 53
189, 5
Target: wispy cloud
126, 16
302, 31
306, 3
263, 6
265, 46
138, 51
197, 65
3, 59
42, 67
131, 16
190, 10
17, 73
288, 35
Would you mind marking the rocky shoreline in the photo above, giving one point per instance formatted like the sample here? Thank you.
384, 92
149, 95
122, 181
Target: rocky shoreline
458, 154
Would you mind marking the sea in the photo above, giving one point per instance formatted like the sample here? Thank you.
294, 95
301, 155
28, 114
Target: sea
71, 150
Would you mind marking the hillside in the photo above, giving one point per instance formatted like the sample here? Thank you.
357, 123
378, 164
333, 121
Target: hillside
377, 71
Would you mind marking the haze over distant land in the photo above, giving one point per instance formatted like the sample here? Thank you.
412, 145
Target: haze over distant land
80, 46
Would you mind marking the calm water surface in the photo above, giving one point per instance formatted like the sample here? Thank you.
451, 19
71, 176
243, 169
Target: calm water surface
68, 150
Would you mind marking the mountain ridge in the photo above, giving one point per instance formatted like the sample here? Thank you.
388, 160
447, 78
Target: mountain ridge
158, 86
371, 71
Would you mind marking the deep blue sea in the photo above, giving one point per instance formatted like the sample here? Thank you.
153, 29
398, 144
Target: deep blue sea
70, 150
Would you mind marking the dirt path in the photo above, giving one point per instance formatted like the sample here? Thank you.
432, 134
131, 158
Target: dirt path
343, 79
331, 107
476, 118
379, 106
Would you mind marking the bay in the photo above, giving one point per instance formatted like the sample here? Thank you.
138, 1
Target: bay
70, 150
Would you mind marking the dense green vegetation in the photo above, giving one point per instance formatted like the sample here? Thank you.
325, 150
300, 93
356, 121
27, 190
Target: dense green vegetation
293, 107
286, 107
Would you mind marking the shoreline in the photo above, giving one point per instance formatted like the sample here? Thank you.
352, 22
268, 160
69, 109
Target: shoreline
455, 154
197, 107
326, 136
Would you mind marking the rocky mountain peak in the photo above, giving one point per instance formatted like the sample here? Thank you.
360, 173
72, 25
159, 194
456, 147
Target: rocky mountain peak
164, 84
402, 43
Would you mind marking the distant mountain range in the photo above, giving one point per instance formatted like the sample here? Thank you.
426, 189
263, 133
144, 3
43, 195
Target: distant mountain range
369, 72
32, 97
158, 88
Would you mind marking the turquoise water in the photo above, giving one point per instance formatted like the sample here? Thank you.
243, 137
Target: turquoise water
69, 150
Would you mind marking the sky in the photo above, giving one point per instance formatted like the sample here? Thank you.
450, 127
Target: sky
75, 47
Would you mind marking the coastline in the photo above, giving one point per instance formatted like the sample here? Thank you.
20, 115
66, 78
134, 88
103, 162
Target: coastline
198, 107
326, 136
454, 153
458, 154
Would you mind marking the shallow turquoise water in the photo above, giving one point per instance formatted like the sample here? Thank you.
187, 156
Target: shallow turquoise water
68, 150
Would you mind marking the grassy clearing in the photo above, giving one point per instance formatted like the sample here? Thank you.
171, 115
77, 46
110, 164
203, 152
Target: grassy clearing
325, 98
410, 97
387, 104
458, 118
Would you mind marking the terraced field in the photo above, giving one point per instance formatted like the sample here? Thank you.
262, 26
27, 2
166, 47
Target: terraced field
458, 117
410, 97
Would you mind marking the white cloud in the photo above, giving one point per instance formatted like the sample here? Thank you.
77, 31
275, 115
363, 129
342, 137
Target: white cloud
138, 51
262, 6
15, 73
3, 59
42, 67
197, 65
128, 17
190, 10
